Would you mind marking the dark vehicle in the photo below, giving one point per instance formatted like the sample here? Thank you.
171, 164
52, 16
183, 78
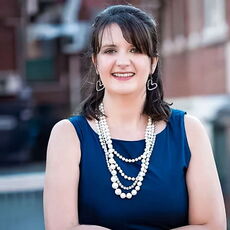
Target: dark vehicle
16, 135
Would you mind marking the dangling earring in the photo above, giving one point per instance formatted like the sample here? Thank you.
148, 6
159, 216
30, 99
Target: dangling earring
99, 85
151, 85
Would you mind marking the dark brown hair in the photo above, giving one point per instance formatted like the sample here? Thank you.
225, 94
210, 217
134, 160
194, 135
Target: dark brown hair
139, 29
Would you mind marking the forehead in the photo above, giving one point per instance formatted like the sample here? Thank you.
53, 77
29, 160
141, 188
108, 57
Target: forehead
112, 34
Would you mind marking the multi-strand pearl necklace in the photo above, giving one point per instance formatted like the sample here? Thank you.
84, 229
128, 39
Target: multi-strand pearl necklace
114, 168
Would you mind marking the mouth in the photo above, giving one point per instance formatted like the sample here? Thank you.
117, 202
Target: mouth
127, 75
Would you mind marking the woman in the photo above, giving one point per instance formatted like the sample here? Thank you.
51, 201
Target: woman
129, 161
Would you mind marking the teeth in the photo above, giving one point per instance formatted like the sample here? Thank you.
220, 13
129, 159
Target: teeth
123, 74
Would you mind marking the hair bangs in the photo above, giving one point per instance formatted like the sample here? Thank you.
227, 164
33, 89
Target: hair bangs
135, 33
133, 30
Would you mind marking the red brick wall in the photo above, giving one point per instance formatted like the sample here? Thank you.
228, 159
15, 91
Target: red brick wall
175, 75
7, 48
9, 14
9, 8
198, 72
207, 70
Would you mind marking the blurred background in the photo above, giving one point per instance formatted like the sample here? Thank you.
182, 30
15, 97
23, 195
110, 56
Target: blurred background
43, 47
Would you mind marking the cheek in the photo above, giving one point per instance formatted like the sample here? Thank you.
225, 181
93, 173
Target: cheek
104, 63
144, 64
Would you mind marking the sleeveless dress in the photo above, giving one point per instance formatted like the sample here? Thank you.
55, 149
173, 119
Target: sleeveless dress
162, 202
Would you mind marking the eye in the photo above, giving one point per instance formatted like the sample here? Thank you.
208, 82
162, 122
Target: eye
134, 50
109, 51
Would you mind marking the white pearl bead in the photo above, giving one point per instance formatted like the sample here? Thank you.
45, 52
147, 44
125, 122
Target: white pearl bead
137, 188
111, 153
109, 141
112, 166
139, 183
118, 192
113, 178
115, 185
142, 169
122, 195
129, 195
140, 178
142, 173
134, 192
111, 161
114, 172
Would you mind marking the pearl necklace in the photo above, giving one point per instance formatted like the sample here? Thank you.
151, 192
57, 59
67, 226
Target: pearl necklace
114, 168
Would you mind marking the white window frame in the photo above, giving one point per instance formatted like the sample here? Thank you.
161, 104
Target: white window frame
215, 26
215, 30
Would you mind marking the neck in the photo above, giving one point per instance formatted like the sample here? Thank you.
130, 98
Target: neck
125, 110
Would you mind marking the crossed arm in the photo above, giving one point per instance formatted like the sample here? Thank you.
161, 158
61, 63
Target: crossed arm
206, 206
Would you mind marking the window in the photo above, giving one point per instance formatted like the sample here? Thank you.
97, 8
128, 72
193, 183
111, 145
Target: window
175, 27
215, 27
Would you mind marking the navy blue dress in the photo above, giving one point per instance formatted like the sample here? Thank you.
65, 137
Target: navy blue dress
162, 202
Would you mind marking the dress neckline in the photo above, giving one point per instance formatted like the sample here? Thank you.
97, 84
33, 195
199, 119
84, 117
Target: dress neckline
128, 141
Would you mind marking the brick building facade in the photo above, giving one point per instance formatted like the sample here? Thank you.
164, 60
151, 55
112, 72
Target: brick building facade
195, 48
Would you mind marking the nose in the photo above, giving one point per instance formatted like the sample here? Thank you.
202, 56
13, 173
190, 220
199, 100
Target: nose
123, 60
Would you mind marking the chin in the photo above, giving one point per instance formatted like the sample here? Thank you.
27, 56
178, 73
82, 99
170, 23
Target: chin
125, 91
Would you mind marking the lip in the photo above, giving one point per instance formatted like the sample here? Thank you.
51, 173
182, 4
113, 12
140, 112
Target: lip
123, 78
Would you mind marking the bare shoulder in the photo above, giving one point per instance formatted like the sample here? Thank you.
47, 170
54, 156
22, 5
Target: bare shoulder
196, 134
192, 123
63, 126
64, 139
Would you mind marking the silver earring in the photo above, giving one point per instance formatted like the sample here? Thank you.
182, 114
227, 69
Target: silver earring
151, 85
99, 85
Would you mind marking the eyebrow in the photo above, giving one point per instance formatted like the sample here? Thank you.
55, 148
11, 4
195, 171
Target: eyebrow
108, 45
112, 45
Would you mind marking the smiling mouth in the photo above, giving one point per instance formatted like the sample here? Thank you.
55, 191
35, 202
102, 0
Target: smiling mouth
123, 74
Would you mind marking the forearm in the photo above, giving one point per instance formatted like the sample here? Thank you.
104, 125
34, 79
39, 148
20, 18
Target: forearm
94, 227
197, 227
88, 227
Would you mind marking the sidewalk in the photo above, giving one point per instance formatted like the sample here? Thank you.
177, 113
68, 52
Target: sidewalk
21, 204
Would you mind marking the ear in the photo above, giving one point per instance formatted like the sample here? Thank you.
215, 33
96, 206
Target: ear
94, 60
93, 57
154, 62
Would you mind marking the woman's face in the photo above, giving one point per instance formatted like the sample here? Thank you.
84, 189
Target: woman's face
122, 68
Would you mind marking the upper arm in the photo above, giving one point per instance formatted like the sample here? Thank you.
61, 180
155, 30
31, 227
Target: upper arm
61, 178
206, 204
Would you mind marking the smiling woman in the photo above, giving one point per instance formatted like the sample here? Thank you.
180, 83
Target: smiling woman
129, 161
122, 68
127, 34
